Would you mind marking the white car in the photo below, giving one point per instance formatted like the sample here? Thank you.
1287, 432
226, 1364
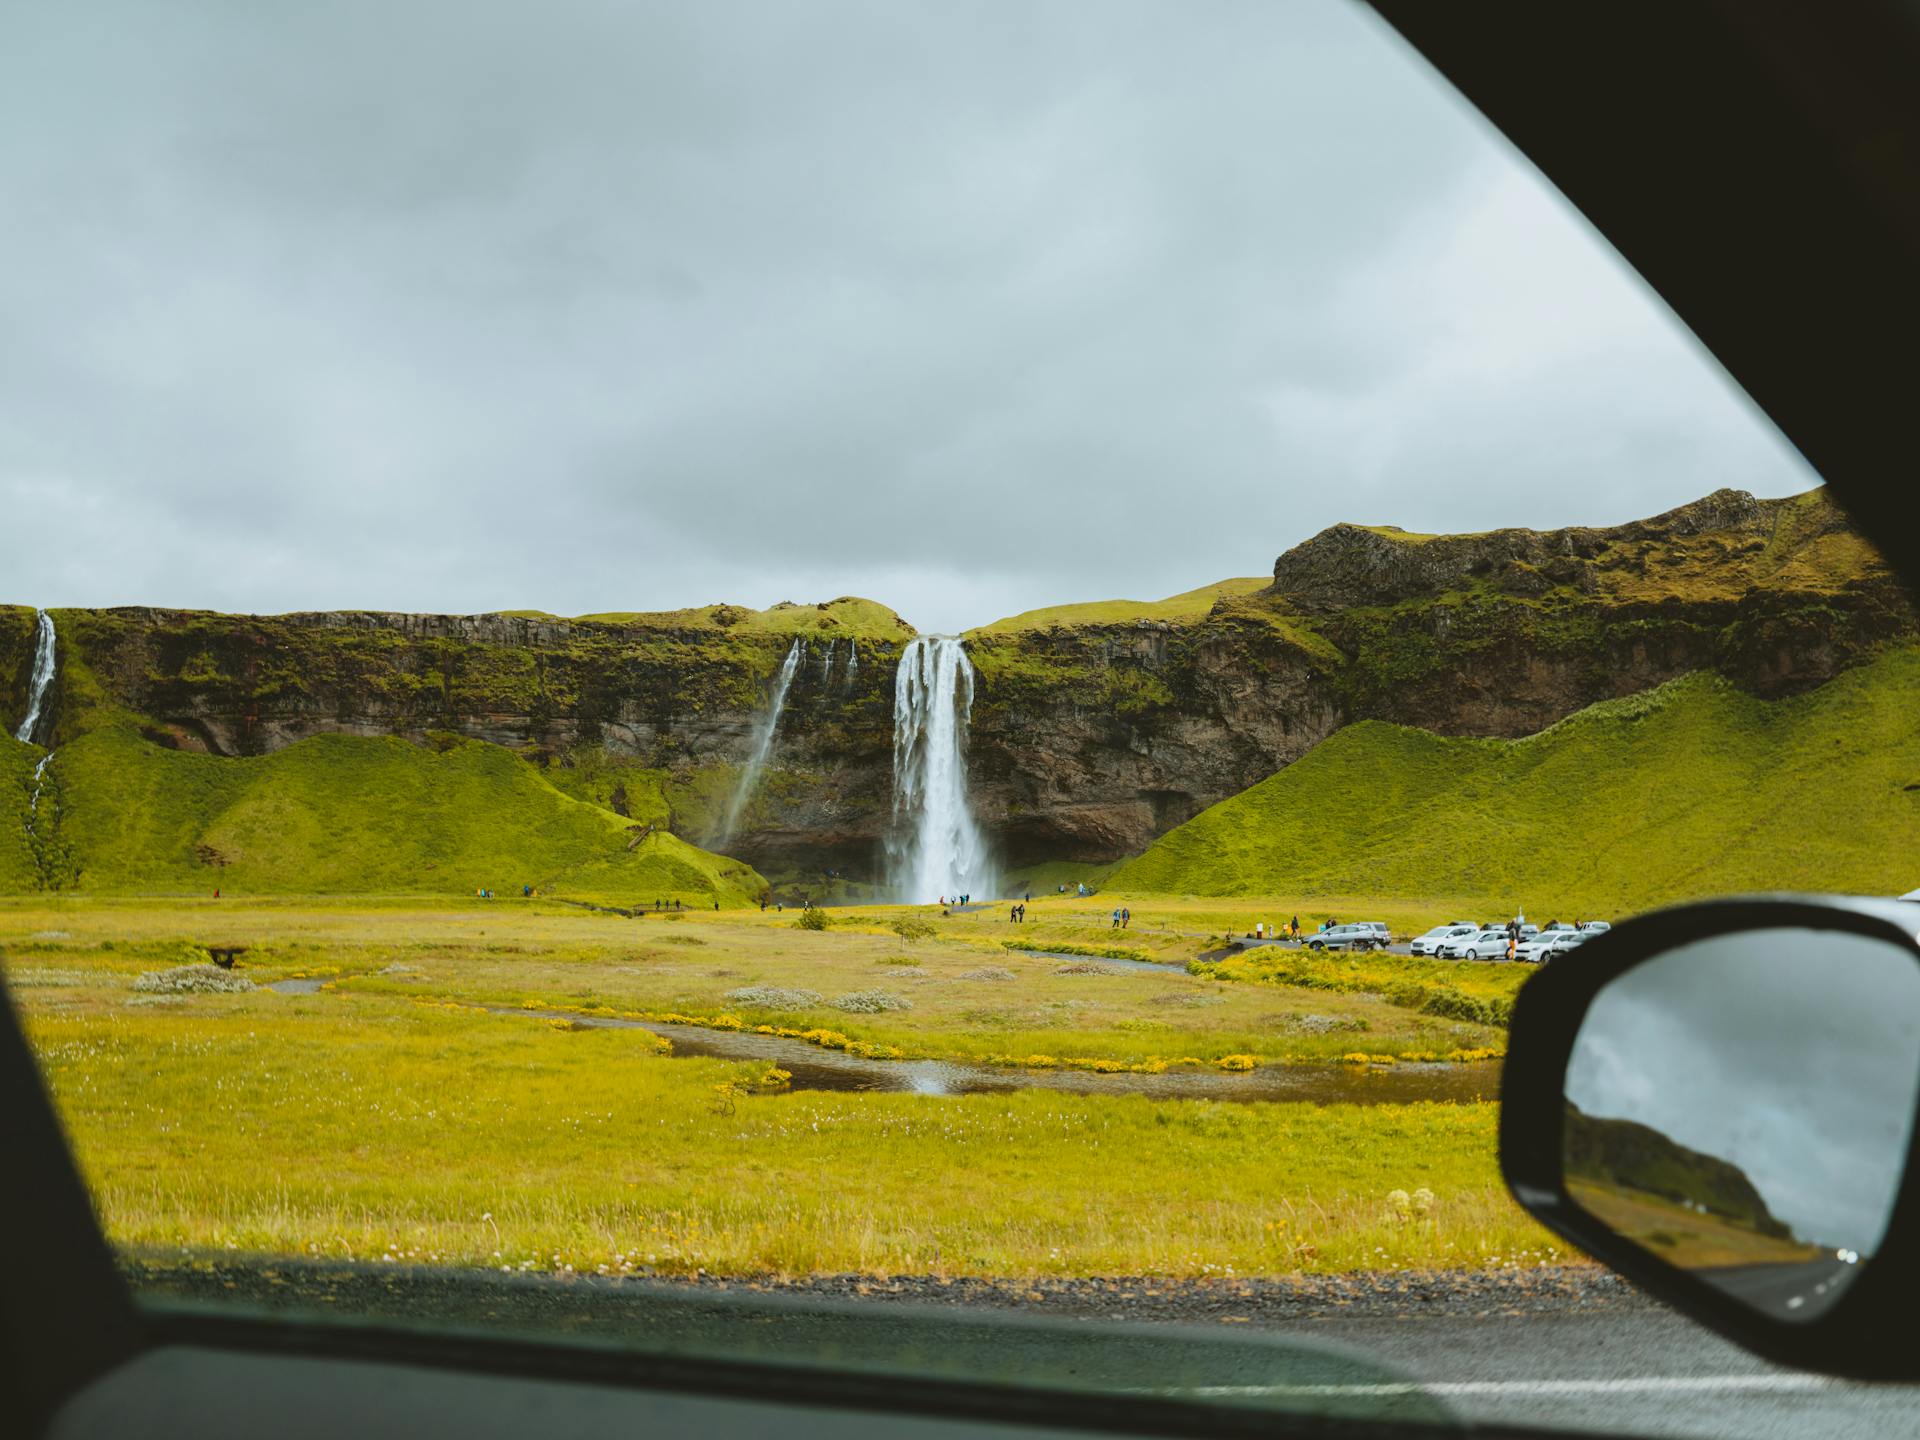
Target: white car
1567, 940
1481, 945
1537, 949
1594, 927
1429, 943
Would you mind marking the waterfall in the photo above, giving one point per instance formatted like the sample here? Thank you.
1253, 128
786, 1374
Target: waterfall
33, 798
936, 848
826, 666
853, 662
42, 678
762, 746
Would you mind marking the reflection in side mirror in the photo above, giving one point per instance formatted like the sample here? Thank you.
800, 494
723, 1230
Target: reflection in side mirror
1741, 1107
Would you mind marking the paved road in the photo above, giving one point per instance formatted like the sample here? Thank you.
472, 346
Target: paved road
1789, 1291
1644, 1372
1586, 1357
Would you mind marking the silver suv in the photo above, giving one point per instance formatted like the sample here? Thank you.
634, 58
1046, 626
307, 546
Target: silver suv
1369, 935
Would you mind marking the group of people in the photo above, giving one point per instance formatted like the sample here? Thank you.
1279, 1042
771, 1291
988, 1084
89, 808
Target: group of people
1289, 931
1122, 917
1018, 913
956, 899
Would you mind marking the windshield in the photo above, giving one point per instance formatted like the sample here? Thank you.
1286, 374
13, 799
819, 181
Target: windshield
670, 658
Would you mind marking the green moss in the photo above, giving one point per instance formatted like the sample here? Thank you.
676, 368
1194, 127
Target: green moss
556, 681
1692, 789
1176, 609
19, 870
849, 617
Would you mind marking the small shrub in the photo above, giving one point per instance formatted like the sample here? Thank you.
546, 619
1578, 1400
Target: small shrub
21, 979
988, 972
812, 919
1322, 1024
910, 929
771, 1081
1458, 1005
870, 1002
1236, 1062
192, 980
772, 997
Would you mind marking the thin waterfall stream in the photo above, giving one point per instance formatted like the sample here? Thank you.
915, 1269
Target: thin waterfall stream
935, 848
37, 690
42, 680
763, 733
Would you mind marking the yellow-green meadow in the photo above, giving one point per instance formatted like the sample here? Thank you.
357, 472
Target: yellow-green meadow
387, 1113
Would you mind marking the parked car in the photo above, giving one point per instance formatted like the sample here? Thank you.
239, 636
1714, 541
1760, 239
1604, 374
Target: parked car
1429, 943
1538, 949
1347, 937
1455, 947
1483, 945
1594, 926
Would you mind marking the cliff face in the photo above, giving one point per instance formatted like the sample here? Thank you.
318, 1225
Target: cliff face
1095, 729
1093, 738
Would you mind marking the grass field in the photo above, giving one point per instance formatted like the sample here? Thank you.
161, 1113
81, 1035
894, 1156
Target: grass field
1681, 1236
1692, 789
358, 1121
963, 995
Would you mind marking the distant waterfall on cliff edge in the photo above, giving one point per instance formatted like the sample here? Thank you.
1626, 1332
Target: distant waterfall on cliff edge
826, 666
42, 678
762, 746
935, 847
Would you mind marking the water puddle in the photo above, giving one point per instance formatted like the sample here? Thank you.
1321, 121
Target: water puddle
813, 1068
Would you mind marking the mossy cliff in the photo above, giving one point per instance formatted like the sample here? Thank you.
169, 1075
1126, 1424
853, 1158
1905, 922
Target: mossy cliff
1096, 727
645, 715
1095, 734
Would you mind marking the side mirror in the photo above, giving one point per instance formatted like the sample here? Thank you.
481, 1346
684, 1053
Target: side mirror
1718, 1101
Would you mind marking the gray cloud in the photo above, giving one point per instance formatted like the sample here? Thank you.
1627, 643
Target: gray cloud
969, 308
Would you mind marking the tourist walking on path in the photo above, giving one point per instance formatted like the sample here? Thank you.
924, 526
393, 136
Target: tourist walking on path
1126, 917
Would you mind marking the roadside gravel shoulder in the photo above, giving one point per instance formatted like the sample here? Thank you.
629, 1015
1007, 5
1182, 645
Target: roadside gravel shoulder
385, 1289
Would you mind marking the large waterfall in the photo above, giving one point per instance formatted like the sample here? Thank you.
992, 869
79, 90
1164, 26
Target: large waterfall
762, 747
935, 847
42, 678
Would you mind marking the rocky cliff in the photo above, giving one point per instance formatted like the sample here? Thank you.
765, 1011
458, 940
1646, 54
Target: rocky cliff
1095, 729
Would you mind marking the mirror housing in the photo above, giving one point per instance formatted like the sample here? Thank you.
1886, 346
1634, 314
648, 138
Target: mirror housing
1863, 1328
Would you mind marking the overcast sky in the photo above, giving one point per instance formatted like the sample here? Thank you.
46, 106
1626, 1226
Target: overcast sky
1794, 1054
966, 307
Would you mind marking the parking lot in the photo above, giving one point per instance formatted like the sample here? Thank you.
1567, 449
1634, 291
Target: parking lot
1397, 946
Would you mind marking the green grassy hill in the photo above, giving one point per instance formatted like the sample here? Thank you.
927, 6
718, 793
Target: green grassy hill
1695, 788
336, 814
1188, 606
